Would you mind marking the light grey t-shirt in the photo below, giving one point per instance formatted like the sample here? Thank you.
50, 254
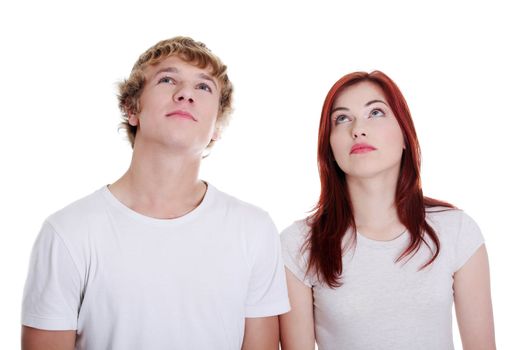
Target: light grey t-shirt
382, 304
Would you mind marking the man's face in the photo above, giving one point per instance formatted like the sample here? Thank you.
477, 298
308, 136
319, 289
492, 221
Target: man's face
178, 107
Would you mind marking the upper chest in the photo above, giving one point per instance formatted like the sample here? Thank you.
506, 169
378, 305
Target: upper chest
373, 284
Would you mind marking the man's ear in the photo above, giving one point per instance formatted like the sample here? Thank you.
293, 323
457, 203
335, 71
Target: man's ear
216, 133
133, 119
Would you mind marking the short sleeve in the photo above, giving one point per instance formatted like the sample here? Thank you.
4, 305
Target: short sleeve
267, 292
53, 288
295, 260
468, 241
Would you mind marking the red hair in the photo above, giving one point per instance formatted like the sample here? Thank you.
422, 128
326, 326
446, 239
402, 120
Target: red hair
332, 216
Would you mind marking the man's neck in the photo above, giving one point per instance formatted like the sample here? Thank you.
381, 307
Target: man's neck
160, 185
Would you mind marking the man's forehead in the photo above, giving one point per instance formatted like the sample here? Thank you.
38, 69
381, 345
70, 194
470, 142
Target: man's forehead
176, 64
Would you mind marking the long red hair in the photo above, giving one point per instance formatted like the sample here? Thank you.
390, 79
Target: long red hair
333, 216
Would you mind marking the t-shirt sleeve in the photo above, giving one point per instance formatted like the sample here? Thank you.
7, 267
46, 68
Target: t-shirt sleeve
468, 241
53, 287
267, 292
295, 260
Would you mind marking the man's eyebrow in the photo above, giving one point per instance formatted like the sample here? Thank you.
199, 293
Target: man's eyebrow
167, 70
175, 70
207, 77
374, 101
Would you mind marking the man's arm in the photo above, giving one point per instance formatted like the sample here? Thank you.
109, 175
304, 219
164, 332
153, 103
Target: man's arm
261, 333
38, 339
473, 303
297, 326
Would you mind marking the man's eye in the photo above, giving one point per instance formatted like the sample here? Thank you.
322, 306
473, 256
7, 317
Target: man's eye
169, 80
204, 86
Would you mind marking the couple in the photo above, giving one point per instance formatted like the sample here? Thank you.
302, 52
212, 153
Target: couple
162, 260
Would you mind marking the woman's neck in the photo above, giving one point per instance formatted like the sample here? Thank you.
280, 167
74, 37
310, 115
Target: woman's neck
374, 207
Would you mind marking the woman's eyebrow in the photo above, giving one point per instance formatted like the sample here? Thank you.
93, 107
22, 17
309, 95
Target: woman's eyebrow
374, 101
339, 109
366, 105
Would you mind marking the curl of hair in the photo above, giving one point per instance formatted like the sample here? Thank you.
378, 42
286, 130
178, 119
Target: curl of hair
188, 50
333, 216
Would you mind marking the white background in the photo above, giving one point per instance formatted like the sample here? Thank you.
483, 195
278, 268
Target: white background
459, 64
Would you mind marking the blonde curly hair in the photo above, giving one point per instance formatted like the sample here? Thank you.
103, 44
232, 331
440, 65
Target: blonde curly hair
190, 51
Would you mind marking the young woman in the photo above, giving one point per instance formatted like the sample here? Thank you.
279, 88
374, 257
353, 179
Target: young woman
378, 265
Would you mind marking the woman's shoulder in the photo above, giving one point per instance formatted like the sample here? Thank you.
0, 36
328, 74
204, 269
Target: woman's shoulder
297, 231
447, 217
294, 237
451, 223
440, 214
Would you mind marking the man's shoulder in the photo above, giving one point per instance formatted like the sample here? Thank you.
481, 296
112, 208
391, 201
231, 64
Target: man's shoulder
238, 206
79, 211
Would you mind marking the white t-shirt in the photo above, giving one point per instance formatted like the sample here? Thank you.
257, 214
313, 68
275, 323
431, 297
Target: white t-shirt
383, 304
127, 281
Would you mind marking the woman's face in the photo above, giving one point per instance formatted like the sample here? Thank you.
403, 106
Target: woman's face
365, 136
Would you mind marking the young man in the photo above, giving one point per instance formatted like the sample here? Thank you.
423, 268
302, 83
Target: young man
159, 259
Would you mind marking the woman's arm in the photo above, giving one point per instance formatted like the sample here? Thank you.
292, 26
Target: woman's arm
473, 303
297, 326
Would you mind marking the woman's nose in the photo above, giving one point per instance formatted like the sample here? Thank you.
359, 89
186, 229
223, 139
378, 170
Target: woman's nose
358, 130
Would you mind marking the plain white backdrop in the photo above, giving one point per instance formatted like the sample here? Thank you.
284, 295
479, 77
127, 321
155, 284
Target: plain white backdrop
459, 64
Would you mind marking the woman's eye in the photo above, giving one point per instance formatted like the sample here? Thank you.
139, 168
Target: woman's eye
166, 80
341, 119
377, 113
204, 86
